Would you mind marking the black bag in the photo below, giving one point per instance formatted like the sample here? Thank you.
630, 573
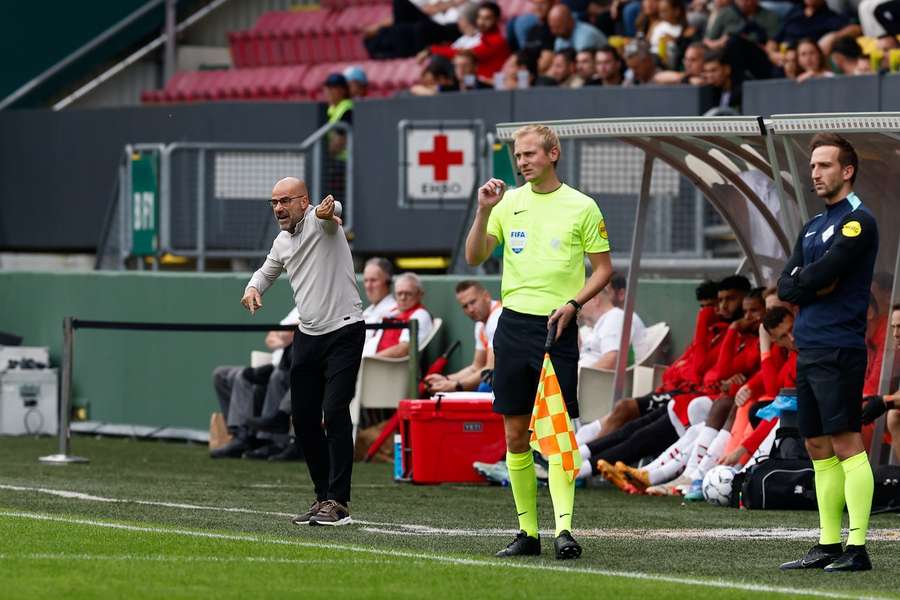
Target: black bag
887, 489
785, 480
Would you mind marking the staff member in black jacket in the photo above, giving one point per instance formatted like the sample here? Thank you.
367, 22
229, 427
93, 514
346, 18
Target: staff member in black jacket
828, 276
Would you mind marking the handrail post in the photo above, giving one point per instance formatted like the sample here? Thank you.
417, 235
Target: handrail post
413, 383
65, 400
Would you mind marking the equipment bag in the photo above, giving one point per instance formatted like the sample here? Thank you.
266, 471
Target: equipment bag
887, 489
782, 484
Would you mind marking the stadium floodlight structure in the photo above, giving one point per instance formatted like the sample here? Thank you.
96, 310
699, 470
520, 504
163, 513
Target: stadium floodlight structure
752, 171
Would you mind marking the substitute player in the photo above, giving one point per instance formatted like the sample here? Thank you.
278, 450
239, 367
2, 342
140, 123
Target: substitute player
328, 347
828, 276
546, 228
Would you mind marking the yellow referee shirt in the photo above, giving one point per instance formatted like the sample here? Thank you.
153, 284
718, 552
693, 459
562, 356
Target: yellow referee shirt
545, 238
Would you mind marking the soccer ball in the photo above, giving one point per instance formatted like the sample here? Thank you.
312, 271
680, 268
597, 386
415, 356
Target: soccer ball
717, 485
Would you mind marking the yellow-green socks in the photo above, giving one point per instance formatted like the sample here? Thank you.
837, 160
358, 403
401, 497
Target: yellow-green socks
562, 492
523, 482
830, 498
859, 485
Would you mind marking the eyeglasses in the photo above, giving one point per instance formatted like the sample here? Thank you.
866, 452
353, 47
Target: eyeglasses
284, 201
405, 294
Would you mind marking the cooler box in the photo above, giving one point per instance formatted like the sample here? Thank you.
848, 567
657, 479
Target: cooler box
440, 439
29, 403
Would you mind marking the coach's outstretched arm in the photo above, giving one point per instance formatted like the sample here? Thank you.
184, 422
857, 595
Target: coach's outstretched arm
329, 213
479, 244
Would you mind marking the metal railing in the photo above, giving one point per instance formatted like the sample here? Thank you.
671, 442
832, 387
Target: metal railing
204, 200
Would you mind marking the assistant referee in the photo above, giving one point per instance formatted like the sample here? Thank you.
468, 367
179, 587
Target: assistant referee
327, 349
546, 228
829, 275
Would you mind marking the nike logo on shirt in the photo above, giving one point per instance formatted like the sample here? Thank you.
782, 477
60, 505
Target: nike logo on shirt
515, 212
522, 513
810, 233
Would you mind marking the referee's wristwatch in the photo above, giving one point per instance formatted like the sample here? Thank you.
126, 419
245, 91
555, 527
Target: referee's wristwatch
574, 303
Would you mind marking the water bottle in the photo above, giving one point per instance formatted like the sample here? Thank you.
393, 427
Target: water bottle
398, 457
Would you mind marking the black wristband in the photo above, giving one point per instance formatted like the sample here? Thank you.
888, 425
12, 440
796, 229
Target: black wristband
574, 303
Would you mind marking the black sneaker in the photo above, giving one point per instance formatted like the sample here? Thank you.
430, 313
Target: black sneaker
332, 513
818, 557
523, 545
566, 546
264, 452
854, 558
303, 519
279, 422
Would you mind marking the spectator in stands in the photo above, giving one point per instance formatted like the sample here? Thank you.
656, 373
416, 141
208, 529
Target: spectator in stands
812, 61
478, 305
491, 52
469, 35
377, 284
236, 391
745, 18
531, 33
357, 82
884, 45
586, 67
717, 75
877, 19
845, 55
340, 109
465, 69
570, 33
394, 343
520, 71
601, 349
669, 32
813, 20
562, 69
413, 26
437, 77
789, 62
600, 14
647, 18
642, 66
694, 56
610, 66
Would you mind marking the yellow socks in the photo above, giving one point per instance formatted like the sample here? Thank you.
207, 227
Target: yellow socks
859, 485
523, 482
830, 498
562, 492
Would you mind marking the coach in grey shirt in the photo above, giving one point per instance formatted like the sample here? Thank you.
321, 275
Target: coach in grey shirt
327, 349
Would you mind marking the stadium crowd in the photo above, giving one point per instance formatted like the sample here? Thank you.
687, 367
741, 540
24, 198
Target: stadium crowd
463, 45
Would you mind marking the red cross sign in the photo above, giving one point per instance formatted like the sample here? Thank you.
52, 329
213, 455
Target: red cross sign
441, 158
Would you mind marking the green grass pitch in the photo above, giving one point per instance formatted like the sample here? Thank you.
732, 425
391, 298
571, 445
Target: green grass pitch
162, 520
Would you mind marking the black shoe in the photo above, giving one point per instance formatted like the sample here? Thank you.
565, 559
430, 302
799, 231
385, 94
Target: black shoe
854, 558
292, 452
523, 545
264, 452
280, 422
233, 449
818, 557
566, 546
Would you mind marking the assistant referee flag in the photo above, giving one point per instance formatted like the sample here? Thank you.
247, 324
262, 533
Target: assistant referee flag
551, 428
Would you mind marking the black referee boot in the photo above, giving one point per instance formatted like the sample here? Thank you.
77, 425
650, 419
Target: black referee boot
854, 558
818, 557
566, 546
523, 545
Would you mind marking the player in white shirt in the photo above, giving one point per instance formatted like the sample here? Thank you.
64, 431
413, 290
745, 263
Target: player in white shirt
478, 305
600, 349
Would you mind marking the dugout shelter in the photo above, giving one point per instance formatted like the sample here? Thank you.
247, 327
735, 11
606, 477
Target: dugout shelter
752, 171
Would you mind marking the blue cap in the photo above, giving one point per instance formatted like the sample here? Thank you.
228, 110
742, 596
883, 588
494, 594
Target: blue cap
335, 80
356, 74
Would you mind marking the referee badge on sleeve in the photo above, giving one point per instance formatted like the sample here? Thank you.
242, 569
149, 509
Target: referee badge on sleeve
602, 228
517, 239
851, 229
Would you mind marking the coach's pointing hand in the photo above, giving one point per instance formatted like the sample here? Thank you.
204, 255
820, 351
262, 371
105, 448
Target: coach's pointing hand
252, 301
325, 210
491, 193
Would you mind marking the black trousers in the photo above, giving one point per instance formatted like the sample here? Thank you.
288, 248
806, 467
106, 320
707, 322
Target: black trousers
323, 381
647, 436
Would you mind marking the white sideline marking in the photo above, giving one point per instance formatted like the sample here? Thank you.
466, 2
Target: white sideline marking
493, 564
410, 529
178, 558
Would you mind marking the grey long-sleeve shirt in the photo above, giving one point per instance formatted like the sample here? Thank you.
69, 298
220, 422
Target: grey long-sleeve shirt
317, 259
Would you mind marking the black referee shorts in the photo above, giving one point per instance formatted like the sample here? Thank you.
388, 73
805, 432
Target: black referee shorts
518, 357
829, 390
